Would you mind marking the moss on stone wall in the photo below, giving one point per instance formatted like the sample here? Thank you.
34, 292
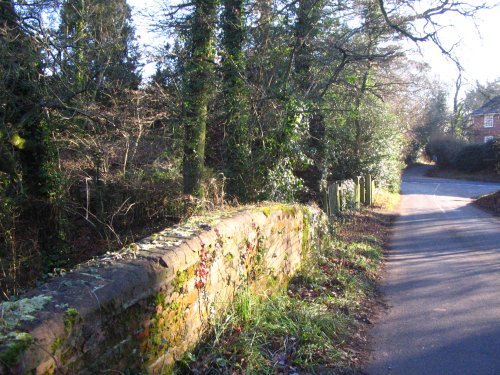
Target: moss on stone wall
166, 330
15, 344
287, 209
70, 317
155, 330
306, 232
181, 278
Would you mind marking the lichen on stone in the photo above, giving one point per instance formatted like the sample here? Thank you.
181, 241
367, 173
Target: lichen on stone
12, 345
184, 231
287, 209
12, 313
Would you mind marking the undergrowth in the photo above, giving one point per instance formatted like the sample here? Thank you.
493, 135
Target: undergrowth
309, 326
387, 200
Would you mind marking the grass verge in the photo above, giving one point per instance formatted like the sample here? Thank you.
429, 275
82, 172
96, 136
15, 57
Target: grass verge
490, 203
386, 200
315, 325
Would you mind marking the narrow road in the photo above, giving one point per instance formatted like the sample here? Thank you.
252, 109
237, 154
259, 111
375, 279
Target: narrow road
442, 284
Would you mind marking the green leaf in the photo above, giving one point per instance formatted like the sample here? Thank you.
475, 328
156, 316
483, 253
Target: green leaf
18, 141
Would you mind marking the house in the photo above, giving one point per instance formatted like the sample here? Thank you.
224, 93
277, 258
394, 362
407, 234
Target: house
486, 121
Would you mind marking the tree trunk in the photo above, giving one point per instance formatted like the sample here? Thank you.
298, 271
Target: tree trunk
21, 121
306, 29
357, 120
197, 92
236, 145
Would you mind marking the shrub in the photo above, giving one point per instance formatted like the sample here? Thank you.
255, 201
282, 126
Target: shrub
444, 151
453, 153
475, 157
496, 154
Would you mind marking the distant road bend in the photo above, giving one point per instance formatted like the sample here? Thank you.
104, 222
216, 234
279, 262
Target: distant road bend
442, 284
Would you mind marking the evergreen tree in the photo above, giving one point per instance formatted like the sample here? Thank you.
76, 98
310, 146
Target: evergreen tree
24, 132
99, 55
437, 116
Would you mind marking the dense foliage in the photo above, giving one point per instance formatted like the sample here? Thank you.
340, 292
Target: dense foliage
254, 100
450, 152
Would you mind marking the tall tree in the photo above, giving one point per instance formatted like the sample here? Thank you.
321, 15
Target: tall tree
436, 121
236, 144
197, 86
457, 116
307, 28
24, 132
98, 46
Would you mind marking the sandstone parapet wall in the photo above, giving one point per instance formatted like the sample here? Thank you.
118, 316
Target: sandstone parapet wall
141, 308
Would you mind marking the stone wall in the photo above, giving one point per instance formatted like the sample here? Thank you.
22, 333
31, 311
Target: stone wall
141, 308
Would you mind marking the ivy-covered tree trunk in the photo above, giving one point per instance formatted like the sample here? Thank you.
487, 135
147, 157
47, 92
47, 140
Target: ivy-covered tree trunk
24, 133
306, 29
200, 67
236, 145
72, 31
21, 111
358, 135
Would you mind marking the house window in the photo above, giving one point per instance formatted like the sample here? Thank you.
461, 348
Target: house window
488, 138
488, 121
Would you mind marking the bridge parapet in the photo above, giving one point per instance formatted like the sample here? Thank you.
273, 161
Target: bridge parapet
143, 307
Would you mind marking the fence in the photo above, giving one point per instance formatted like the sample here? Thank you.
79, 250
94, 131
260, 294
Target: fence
349, 194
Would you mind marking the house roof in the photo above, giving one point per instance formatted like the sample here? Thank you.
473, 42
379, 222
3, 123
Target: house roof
491, 106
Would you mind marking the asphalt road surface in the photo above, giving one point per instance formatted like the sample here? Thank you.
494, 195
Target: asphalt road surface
442, 284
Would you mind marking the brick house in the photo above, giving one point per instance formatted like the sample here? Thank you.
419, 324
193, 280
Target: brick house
486, 121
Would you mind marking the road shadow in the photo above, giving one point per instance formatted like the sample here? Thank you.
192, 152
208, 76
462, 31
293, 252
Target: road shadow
428, 331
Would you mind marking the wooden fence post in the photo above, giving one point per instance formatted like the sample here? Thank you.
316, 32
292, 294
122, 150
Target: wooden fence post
357, 192
335, 195
373, 191
331, 199
340, 196
326, 203
368, 188
362, 190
